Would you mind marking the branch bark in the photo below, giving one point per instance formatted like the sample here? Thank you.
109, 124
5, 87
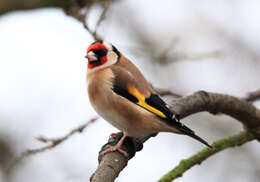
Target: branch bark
213, 103
253, 96
7, 6
14, 5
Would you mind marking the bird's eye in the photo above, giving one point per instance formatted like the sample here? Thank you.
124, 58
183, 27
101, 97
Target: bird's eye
100, 52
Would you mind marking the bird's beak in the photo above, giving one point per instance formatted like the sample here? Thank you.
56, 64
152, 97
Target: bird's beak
91, 56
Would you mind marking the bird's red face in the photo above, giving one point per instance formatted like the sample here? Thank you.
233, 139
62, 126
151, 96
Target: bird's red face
101, 53
97, 54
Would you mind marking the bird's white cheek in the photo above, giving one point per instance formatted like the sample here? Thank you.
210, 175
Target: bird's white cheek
108, 45
111, 57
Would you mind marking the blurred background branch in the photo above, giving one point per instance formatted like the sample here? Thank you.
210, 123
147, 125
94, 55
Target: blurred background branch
78, 9
50, 143
16, 5
81, 13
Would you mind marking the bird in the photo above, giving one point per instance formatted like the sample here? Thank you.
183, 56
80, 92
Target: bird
120, 94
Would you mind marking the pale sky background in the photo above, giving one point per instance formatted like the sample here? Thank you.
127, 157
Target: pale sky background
43, 90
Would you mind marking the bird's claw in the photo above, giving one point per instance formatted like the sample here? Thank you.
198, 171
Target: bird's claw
110, 148
114, 135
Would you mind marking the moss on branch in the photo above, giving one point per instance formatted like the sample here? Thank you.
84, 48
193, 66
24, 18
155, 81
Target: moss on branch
198, 158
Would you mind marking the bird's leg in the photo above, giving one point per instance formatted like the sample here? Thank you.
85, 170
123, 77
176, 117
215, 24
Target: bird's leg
117, 147
113, 135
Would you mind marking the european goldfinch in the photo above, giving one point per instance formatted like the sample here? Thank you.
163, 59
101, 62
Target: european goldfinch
120, 94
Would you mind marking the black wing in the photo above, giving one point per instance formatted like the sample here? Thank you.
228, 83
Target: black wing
156, 102
158, 107
152, 104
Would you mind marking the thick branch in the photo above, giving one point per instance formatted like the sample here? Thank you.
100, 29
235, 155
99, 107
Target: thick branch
110, 167
198, 158
214, 103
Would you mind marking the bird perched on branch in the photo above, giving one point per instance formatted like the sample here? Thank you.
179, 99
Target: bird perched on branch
120, 94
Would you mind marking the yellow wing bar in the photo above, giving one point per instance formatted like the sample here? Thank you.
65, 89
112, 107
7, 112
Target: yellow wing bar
141, 102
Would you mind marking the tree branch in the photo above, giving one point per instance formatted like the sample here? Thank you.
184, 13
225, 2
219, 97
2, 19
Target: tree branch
75, 10
198, 158
101, 19
253, 96
51, 143
78, 9
213, 103
14, 5
7, 6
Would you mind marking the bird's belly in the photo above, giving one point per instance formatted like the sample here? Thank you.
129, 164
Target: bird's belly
122, 114
110, 115
104, 102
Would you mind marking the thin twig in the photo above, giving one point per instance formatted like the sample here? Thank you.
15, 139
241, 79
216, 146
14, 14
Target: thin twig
101, 17
201, 156
93, 33
52, 143
84, 18
76, 11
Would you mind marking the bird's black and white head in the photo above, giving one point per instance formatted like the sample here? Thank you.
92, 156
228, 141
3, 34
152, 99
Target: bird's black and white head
101, 54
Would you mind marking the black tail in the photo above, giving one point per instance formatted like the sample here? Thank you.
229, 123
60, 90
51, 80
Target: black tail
185, 130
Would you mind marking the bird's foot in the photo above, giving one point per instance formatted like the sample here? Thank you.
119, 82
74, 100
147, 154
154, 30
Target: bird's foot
110, 148
138, 143
117, 147
113, 135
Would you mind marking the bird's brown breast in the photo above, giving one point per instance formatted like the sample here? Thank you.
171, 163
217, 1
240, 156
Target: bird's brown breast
99, 83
